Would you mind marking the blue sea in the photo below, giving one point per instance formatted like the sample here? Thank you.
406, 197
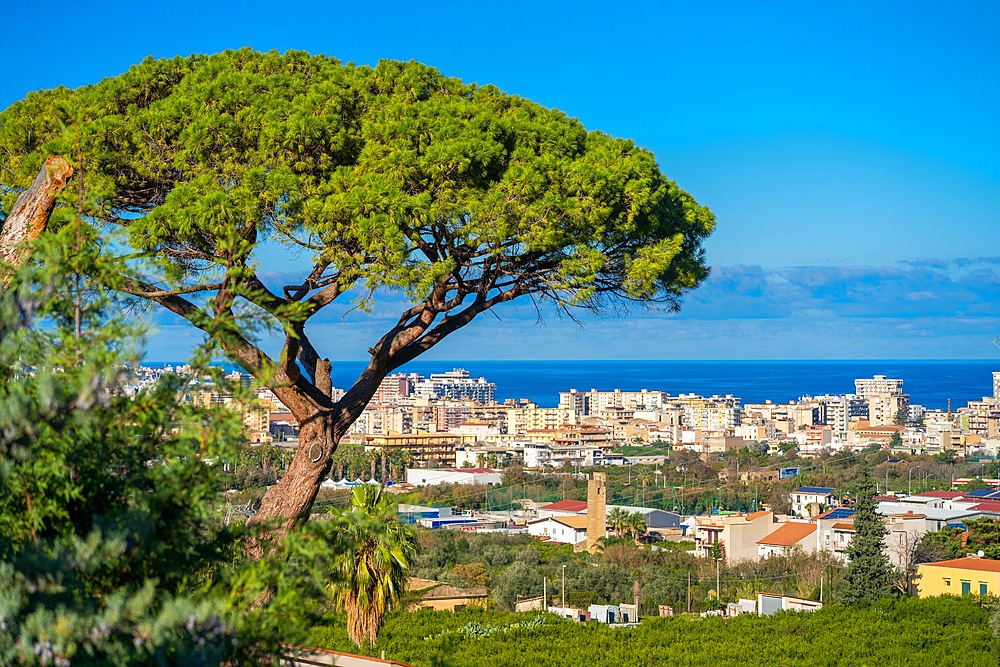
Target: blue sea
928, 382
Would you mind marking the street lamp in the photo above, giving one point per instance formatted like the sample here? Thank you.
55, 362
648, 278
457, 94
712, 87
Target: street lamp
564, 586
908, 479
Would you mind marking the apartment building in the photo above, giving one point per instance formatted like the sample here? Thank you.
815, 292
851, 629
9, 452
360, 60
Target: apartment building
594, 401
879, 384
884, 396
982, 418
456, 384
427, 449
521, 420
556, 455
450, 414
395, 389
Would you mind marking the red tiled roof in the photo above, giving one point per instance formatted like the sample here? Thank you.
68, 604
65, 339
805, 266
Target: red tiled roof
756, 515
940, 494
977, 564
844, 526
789, 534
988, 506
566, 506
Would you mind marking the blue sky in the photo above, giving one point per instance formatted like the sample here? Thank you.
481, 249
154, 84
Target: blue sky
850, 152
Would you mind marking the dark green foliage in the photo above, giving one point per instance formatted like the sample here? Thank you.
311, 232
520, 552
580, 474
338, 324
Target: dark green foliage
112, 545
983, 535
869, 573
943, 544
902, 633
109, 544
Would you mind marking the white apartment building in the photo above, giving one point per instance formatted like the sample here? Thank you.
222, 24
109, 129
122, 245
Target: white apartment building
456, 384
879, 384
839, 410
942, 435
593, 401
269, 401
555, 456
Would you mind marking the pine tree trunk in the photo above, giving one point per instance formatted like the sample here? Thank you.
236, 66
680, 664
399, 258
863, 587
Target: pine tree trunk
288, 502
31, 211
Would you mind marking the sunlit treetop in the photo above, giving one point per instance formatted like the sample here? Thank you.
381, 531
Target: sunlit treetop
462, 196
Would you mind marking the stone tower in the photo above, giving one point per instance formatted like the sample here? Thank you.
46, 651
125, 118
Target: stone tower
597, 504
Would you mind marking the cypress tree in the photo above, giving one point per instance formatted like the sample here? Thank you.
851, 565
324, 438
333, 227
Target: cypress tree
869, 573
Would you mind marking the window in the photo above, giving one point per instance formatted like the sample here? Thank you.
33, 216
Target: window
966, 587
983, 589
947, 583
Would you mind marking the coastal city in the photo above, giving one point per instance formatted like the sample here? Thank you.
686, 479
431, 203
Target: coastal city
450, 420
447, 335
446, 430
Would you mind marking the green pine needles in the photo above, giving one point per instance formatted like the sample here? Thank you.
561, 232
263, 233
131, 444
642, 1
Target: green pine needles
869, 574
112, 544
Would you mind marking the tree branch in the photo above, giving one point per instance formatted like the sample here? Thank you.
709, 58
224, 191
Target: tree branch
30, 214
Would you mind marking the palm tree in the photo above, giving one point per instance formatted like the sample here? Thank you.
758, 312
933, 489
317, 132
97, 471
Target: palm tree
637, 524
618, 520
373, 572
384, 453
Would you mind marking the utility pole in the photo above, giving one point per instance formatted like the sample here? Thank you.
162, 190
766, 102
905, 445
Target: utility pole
564, 585
689, 591
718, 587
821, 588
545, 594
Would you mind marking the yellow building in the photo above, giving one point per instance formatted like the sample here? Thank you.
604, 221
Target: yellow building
960, 576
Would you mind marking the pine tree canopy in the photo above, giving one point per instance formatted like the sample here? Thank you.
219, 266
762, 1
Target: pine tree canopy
393, 176
387, 179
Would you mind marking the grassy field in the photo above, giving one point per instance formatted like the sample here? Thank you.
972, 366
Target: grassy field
893, 633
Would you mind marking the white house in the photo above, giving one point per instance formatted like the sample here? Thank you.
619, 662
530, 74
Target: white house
565, 529
430, 477
808, 501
